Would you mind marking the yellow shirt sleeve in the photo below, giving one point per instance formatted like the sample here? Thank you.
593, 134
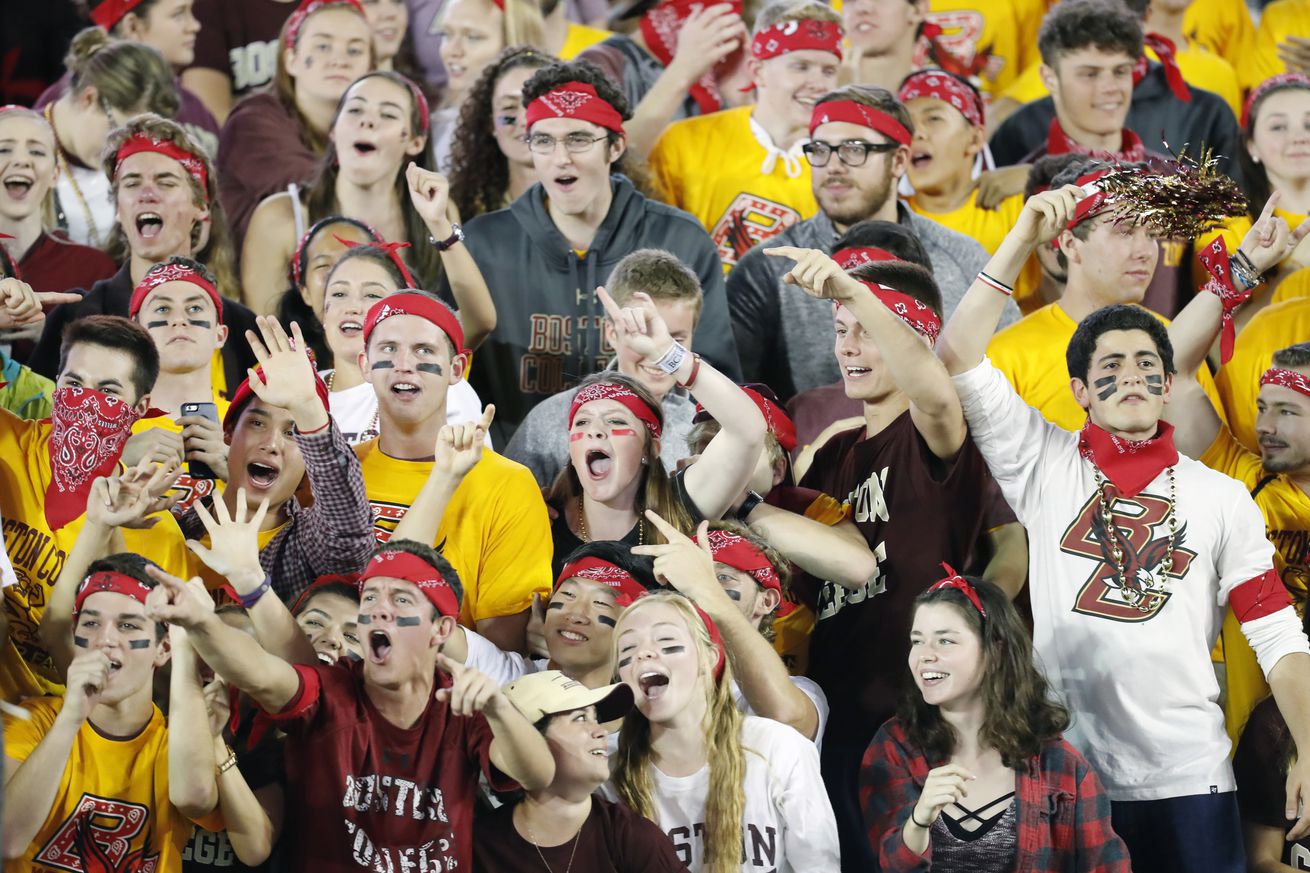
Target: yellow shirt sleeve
1224, 27
22, 736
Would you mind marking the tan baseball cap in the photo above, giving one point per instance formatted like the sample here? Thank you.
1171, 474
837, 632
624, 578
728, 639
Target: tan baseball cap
550, 692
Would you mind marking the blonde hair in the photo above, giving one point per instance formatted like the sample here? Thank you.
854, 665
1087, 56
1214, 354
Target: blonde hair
725, 801
524, 24
127, 75
795, 10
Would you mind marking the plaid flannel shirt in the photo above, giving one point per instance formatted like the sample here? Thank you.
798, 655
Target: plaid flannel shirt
333, 535
1063, 813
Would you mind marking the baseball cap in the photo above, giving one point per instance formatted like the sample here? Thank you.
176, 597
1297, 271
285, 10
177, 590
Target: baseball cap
550, 692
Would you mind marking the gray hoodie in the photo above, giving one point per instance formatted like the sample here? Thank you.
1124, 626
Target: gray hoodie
786, 338
549, 325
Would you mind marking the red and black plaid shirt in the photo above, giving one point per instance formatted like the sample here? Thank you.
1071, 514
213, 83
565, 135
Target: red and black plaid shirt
1063, 812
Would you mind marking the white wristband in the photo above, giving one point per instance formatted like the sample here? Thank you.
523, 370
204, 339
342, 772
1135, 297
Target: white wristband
673, 358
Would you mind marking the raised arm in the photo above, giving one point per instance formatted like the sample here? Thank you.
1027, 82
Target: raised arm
726, 465
934, 405
430, 193
253, 819
269, 680
192, 786
836, 552
688, 567
964, 339
458, 450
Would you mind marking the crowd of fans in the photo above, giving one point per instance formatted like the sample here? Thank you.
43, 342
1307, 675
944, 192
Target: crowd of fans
670, 436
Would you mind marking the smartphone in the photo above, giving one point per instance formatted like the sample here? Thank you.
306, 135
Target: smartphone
199, 469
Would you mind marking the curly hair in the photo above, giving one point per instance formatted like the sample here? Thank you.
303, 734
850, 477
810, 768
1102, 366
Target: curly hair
563, 72
321, 194
1106, 25
725, 801
1257, 187
217, 252
479, 172
1019, 711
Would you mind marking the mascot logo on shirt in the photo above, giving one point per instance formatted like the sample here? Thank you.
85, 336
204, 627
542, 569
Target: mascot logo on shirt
1139, 589
748, 220
97, 838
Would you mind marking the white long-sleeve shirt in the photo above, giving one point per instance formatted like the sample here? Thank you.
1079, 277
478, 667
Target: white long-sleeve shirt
1139, 681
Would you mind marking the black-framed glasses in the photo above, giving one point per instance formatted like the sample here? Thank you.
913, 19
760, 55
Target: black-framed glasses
852, 152
574, 143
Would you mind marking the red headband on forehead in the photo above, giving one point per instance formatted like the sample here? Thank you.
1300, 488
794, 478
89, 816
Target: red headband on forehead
961, 584
297, 261
308, 8
626, 587
396, 564
857, 113
948, 89
111, 12
161, 273
624, 395
776, 418
1093, 203
350, 579
245, 394
1298, 382
1279, 81
795, 36
910, 310
110, 580
143, 142
857, 256
742, 554
410, 303
575, 100
391, 250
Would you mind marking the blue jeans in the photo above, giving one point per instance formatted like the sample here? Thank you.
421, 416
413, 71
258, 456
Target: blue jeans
1199, 832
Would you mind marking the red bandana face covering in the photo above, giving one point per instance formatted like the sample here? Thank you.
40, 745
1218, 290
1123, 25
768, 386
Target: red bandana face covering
1130, 465
1058, 142
88, 431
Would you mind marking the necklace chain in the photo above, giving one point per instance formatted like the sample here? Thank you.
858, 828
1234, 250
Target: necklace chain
532, 838
585, 536
67, 170
372, 430
1147, 598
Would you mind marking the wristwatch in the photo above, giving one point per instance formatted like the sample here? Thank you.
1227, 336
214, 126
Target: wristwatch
753, 499
456, 236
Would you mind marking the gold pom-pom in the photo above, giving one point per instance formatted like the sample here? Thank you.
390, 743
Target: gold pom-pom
1181, 202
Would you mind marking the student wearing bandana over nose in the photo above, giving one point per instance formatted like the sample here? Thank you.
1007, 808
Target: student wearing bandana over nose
1136, 551
760, 185
108, 368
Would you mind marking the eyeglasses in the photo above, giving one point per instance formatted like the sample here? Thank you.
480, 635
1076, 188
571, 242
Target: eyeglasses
852, 153
574, 143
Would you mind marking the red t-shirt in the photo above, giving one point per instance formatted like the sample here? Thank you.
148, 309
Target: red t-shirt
613, 839
368, 794
239, 38
56, 263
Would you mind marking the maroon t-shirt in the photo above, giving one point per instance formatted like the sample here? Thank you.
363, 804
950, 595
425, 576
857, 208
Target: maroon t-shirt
56, 263
613, 839
363, 793
239, 38
915, 511
1260, 766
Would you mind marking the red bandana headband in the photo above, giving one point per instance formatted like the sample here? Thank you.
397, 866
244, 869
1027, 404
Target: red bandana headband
857, 256
350, 579
625, 396
410, 303
161, 273
396, 564
391, 250
797, 35
309, 7
946, 88
113, 581
1259, 91
626, 587
857, 113
143, 142
109, 13
297, 261
961, 584
245, 393
741, 554
575, 100
915, 313
1094, 202
1297, 382
776, 418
